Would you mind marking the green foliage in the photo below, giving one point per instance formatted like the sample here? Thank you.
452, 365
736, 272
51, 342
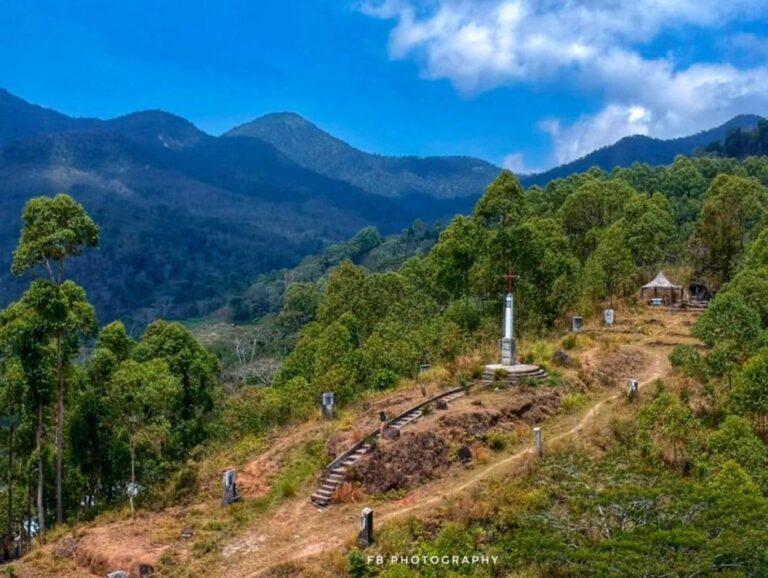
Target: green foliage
668, 431
750, 393
733, 209
610, 267
735, 442
688, 360
54, 229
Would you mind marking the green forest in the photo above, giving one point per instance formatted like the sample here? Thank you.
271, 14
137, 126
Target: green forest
94, 420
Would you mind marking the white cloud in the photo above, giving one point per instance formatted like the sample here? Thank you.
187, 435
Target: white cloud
515, 162
592, 45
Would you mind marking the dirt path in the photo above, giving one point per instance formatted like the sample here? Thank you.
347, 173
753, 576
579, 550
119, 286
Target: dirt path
299, 531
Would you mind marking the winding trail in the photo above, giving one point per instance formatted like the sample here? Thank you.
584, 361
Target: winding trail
298, 532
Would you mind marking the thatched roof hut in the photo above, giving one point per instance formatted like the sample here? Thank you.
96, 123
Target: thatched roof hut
663, 288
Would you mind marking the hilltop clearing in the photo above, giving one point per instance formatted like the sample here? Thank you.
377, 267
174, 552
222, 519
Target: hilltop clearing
276, 525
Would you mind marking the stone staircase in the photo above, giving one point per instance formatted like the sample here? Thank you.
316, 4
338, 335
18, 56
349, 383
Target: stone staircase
336, 472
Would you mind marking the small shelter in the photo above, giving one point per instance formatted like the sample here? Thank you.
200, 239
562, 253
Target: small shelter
699, 291
662, 288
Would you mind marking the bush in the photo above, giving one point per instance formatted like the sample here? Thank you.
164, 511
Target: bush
384, 379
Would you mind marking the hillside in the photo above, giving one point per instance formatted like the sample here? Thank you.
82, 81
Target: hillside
189, 218
625, 478
742, 142
311, 147
643, 149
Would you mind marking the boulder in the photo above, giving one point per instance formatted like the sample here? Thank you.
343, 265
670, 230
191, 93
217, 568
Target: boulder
562, 359
464, 453
441, 404
118, 574
391, 433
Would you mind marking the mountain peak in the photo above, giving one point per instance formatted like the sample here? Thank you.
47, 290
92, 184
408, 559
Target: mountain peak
157, 128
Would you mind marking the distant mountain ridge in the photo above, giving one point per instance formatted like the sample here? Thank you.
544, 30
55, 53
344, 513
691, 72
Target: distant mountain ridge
189, 218
313, 148
186, 217
643, 149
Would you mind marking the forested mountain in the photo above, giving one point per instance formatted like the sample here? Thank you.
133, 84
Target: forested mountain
643, 149
191, 219
308, 145
743, 142
188, 217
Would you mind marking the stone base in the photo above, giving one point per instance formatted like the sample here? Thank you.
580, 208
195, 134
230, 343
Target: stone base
514, 373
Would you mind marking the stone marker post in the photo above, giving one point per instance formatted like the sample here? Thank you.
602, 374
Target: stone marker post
537, 443
229, 488
365, 538
327, 403
576, 324
609, 315
633, 387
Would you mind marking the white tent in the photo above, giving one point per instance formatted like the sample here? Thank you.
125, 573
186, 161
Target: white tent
661, 287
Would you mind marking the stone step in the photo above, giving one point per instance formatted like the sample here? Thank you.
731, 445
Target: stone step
320, 500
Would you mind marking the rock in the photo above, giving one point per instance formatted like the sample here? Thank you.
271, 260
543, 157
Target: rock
187, 533
441, 404
415, 458
391, 433
464, 453
460, 425
146, 570
562, 359
118, 574
478, 402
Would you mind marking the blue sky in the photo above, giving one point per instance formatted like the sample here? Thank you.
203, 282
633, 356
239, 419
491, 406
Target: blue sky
526, 83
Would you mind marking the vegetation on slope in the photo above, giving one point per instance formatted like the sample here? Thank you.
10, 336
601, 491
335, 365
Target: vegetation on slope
580, 240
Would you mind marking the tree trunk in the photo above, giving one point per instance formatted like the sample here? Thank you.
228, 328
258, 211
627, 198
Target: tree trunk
133, 477
59, 429
10, 479
40, 474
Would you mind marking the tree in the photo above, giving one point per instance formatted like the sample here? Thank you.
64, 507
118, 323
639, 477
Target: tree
587, 212
54, 230
648, 228
142, 397
610, 266
24, 341
750, 392
11, 394
734, 208
196, 370
731, 326
668, 430
734, 440
503, 202
453, 257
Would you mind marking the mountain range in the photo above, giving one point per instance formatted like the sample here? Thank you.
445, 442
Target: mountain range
188, 217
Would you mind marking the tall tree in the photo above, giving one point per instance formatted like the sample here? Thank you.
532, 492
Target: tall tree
26, 354
54, 230
734, 209
142, 398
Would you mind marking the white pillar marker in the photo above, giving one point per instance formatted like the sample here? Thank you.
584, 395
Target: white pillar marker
537, 443
508, 349
365, 537
634, 385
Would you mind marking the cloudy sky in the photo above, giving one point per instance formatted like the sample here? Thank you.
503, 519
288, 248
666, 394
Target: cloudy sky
524, 83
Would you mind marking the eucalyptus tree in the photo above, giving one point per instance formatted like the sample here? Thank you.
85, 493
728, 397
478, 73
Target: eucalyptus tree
54, 230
